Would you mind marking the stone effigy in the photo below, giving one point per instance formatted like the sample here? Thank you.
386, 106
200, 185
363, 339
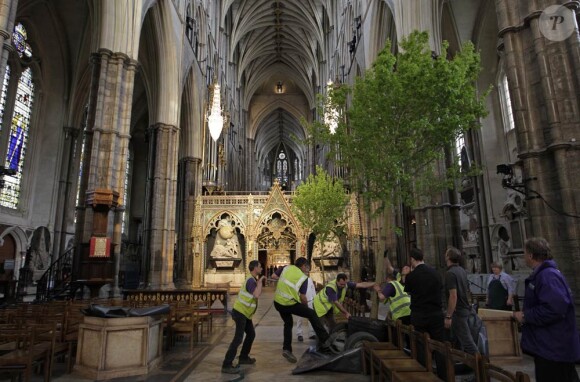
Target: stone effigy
330, 248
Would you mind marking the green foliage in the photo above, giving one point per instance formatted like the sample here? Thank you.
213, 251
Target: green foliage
402, 117
319, 204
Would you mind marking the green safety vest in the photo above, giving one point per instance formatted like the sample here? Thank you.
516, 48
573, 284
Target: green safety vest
400, 304
321, 303
287, 290
246, 303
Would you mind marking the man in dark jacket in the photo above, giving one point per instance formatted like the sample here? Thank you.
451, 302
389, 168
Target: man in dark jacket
549, 330
424, 286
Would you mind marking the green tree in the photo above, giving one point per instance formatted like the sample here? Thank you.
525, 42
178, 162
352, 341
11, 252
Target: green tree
319, 205
395, 125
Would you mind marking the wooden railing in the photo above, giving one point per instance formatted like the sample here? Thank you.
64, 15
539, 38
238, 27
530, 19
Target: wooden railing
154, 297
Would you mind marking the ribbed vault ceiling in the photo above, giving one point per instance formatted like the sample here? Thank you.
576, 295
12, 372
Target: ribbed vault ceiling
279, 126
274, 40
273, 35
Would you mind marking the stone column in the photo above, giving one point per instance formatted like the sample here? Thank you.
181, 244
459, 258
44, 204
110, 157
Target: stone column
198, 246
190, 185
422, 15
164, 144
65, 204
7, 16
252, 176
106, 155
543, 71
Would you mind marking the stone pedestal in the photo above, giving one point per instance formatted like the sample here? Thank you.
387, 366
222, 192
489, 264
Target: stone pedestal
225, 263
118, 347
328, 262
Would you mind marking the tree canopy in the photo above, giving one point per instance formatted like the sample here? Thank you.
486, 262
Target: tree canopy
394, 125
319, 204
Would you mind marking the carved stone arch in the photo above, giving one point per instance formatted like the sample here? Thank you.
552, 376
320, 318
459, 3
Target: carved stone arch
229, 215
227, 252
277, 230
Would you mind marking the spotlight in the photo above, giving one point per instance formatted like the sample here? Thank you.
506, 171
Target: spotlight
505, 169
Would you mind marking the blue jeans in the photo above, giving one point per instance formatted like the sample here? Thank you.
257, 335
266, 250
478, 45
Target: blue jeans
460, 330
243, 325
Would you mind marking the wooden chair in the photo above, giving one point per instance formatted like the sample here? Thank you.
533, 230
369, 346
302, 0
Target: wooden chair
473, 361
26, 353
491, 372
184, 323
390, 365
429, 345
369, 347
205, 318
48, 335
388, 350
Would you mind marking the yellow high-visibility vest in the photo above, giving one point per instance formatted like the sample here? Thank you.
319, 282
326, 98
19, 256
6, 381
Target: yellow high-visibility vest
287, 290
321, 303
246, 303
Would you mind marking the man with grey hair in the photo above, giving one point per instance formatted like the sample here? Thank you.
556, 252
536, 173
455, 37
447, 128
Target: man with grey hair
549, 331
458, 308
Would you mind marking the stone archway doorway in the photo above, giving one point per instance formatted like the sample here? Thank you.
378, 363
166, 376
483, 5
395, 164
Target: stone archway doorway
276, 243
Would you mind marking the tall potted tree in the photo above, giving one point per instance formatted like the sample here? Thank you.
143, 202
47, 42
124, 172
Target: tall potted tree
319, 205
398, 123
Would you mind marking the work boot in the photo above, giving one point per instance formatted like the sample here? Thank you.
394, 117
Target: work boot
231, 369
289, 356
246, 361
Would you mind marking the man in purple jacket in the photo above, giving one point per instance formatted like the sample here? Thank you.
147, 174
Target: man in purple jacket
548, 320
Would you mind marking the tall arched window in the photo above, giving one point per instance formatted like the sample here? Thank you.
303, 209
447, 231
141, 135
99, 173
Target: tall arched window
505, 100
282, 168
15, 111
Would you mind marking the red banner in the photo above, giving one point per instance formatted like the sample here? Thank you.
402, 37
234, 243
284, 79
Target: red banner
100, 247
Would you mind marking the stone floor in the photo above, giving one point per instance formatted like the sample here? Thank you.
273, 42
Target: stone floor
204, 362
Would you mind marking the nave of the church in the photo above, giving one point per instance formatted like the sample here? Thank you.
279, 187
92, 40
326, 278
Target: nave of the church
161, 146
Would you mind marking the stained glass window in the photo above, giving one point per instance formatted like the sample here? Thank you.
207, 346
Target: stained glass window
282, 168
19, 37
20, 122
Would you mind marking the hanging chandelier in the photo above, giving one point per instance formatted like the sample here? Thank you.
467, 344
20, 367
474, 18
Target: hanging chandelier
215, 119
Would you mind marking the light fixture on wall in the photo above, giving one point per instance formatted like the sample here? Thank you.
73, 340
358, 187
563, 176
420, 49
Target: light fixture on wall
215, 119
279, 87
330, 113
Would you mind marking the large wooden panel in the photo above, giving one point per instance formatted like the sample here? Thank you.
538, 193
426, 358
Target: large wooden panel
502, 333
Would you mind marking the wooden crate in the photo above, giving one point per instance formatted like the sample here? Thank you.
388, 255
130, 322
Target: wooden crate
502, 333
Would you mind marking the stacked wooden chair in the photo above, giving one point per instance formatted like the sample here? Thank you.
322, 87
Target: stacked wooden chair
391, 361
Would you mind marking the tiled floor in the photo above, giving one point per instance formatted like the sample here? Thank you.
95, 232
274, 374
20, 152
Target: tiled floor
204, 362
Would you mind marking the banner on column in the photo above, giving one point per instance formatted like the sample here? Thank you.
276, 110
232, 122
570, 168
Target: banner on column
100, 247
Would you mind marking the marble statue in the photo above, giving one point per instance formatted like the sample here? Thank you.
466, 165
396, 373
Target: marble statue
330, 248
226, 242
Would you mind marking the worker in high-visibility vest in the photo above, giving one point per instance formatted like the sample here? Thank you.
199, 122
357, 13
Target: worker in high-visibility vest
399, 301
330, 298
242, 312
290, 299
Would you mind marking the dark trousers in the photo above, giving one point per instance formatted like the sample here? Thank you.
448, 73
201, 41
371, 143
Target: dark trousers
548, 371
433, 324
243, 325
328, 320
301, 310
